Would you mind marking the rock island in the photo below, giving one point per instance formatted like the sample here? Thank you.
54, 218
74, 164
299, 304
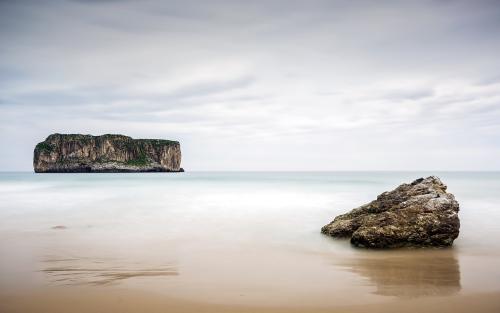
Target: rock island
76, 153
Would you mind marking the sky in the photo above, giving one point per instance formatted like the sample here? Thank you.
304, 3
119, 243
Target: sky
259, 85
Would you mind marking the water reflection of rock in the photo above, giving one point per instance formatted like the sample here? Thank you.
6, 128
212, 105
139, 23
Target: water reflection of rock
77, 271
409, 274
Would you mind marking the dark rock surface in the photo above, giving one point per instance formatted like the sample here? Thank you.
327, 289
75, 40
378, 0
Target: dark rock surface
75, 153
418, 214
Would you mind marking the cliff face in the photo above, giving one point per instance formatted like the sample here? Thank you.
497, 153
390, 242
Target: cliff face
107, 153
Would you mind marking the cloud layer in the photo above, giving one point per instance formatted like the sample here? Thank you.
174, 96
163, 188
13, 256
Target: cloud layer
259, 85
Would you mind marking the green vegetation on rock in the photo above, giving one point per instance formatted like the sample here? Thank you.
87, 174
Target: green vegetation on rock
141, 160
46, 147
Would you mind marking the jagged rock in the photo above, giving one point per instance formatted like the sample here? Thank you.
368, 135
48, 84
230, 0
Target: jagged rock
418, 214
107, 153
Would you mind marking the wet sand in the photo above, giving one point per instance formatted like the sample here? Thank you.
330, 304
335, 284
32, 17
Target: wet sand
258, 281
86, 300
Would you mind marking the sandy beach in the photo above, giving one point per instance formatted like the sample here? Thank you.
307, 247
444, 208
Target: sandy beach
82, 300
230, 243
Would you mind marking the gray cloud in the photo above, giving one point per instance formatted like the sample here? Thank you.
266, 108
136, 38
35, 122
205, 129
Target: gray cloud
312, 84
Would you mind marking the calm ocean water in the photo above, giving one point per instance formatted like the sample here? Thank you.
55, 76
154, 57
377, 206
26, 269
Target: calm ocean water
234, 236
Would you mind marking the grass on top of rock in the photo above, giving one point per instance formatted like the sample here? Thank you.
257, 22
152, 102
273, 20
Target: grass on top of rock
155, 143
141, 160
44, 146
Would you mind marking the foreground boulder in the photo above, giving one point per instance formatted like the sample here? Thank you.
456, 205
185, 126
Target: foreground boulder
418, 214
107, 153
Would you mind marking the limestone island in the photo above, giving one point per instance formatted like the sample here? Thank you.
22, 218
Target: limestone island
419, 214
76, 153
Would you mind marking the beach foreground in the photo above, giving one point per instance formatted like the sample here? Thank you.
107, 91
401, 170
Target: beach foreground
232, 242
55, 300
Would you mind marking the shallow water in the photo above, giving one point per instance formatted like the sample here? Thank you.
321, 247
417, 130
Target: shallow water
234, 237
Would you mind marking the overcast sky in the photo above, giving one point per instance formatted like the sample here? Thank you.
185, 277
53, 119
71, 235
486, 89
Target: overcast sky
259, 85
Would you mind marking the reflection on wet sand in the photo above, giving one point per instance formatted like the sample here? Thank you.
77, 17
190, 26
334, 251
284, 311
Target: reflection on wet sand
78, 271
409, 274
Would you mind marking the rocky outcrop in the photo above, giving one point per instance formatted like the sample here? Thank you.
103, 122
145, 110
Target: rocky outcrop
418, 214
107, 153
